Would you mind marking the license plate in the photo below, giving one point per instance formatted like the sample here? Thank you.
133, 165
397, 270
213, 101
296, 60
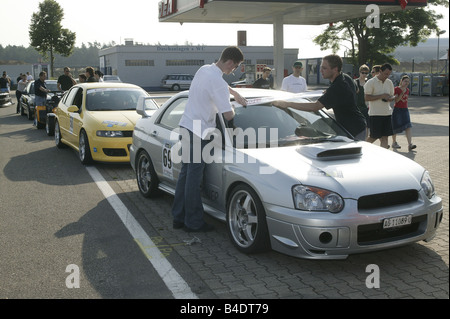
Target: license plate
397, 221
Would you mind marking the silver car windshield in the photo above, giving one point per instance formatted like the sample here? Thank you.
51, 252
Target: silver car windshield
113, 99
265, 125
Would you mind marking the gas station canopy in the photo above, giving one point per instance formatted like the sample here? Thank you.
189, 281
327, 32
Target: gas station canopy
278, 13
297, 12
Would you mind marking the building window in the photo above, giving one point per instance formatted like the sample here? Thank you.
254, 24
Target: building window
139, 63
185, 62
264, 61
247, 62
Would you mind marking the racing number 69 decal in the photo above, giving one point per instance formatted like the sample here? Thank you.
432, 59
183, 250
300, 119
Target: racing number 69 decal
167, 161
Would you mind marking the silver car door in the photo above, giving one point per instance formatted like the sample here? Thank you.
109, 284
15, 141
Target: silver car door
214, 190
165, 141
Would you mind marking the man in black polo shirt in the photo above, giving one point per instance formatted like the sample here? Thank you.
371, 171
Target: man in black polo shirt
264, 81
66, 80
340, 96
40, 93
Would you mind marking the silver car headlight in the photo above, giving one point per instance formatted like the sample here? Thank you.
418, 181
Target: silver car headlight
427, 185
110, 133
316, 199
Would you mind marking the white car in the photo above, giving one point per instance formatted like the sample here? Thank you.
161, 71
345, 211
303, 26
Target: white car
292, 181
111, 79
177, 82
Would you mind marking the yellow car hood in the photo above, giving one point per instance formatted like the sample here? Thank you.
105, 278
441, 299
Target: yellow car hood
115, 119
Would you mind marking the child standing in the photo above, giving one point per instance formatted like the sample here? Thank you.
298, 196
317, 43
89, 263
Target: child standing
400, 116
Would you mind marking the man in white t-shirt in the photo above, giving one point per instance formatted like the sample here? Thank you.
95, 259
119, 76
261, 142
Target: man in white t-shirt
209, 95
379, 92
295, 83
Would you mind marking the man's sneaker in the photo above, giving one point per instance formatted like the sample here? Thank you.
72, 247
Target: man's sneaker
204, 229
411, 147
396, 146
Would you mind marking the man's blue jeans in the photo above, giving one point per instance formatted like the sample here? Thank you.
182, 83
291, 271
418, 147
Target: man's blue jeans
38, 101
188, 207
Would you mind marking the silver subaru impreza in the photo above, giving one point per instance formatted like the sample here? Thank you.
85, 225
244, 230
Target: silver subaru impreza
293, 181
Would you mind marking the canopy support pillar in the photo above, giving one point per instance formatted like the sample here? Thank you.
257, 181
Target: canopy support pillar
278, 47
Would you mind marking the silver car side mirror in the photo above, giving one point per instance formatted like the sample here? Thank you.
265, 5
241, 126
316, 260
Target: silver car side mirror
146, 106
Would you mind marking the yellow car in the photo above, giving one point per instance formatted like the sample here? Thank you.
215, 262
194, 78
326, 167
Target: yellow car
97, 120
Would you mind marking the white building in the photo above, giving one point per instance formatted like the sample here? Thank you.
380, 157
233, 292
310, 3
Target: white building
146, 65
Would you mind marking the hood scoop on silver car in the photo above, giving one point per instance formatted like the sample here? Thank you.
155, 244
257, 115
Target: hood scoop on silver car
334, 154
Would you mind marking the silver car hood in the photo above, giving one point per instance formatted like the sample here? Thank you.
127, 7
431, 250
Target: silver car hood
351, 169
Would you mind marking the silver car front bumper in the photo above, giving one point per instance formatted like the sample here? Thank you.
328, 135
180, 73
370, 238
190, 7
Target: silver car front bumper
316, 235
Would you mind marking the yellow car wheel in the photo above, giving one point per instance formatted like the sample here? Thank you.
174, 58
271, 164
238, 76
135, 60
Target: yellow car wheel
58, 142
84, 149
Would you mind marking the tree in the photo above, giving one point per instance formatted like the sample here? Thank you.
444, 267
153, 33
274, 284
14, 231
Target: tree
376, 45
46, 33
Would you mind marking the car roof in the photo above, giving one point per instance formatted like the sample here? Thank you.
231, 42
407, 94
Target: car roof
255, 93
249, 93
99, 85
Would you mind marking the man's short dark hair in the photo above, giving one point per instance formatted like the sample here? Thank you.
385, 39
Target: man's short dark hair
335, 61
232, 53
386, 66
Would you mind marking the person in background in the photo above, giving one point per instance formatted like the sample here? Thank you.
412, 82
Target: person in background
295, 83
5, 82
90, 77
360, 99
400, 116
21, 85
65, 81
379, 92
340, 96
82, 78
264, 81
40, 93
98, 75
19, 78
376, 69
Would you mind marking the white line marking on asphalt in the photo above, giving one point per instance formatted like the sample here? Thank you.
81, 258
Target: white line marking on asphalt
176, 284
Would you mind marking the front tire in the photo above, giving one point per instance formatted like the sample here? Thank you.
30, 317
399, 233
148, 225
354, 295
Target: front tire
30, 116
57, 134
84, 149
246, 221
50, 126
146, 177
